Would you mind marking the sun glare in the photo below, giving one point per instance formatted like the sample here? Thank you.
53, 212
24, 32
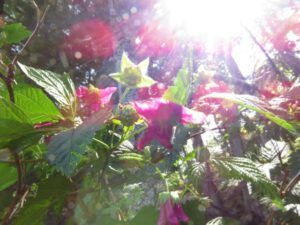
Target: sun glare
212, 19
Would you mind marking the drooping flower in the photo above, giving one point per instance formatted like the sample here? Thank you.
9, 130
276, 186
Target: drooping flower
172, 214
91, 99
155, 91
90, 39
161, 115
132, 75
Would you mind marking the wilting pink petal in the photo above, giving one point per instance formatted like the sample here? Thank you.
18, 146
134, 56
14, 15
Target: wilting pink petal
90, 39
161, 115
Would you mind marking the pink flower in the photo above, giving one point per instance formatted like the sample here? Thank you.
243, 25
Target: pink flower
172, 214
92, 99
155, 91
161, 115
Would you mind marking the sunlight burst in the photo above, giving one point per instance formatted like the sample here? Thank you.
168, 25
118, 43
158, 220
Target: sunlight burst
216, 19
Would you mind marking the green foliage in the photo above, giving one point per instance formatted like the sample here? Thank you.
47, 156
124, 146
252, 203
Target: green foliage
132, 75
51, 192
13, 33
196, 172
148, 215
8, 174
179, 92
245, 169
253, 103
65, 149
35, 104
61, 88
13, 122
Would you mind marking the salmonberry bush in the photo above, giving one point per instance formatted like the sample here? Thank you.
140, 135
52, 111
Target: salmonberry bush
112, 115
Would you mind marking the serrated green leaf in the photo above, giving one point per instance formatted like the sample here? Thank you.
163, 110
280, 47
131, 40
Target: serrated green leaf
15, 33
66, 148
255, 104
8, 174
245, 169
61, 88
13, 122
179, 92
35, 104
50, 192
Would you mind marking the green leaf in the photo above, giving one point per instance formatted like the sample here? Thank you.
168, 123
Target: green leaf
13, 122
146, 216
15, 33
8, 174
61, 88
255, 104
245, 169
179, 92
132, 75
35, 104
65, 150
52, 191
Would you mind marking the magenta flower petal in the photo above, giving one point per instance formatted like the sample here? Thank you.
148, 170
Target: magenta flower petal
191, 116
155, 91
91, 99
163, 135
172, 214
82, 91
147, 109
145, 139
105, 94
163, 220
160, 116
180, 213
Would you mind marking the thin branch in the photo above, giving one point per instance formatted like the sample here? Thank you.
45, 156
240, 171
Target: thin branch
40, 20
291, 184
270, 60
